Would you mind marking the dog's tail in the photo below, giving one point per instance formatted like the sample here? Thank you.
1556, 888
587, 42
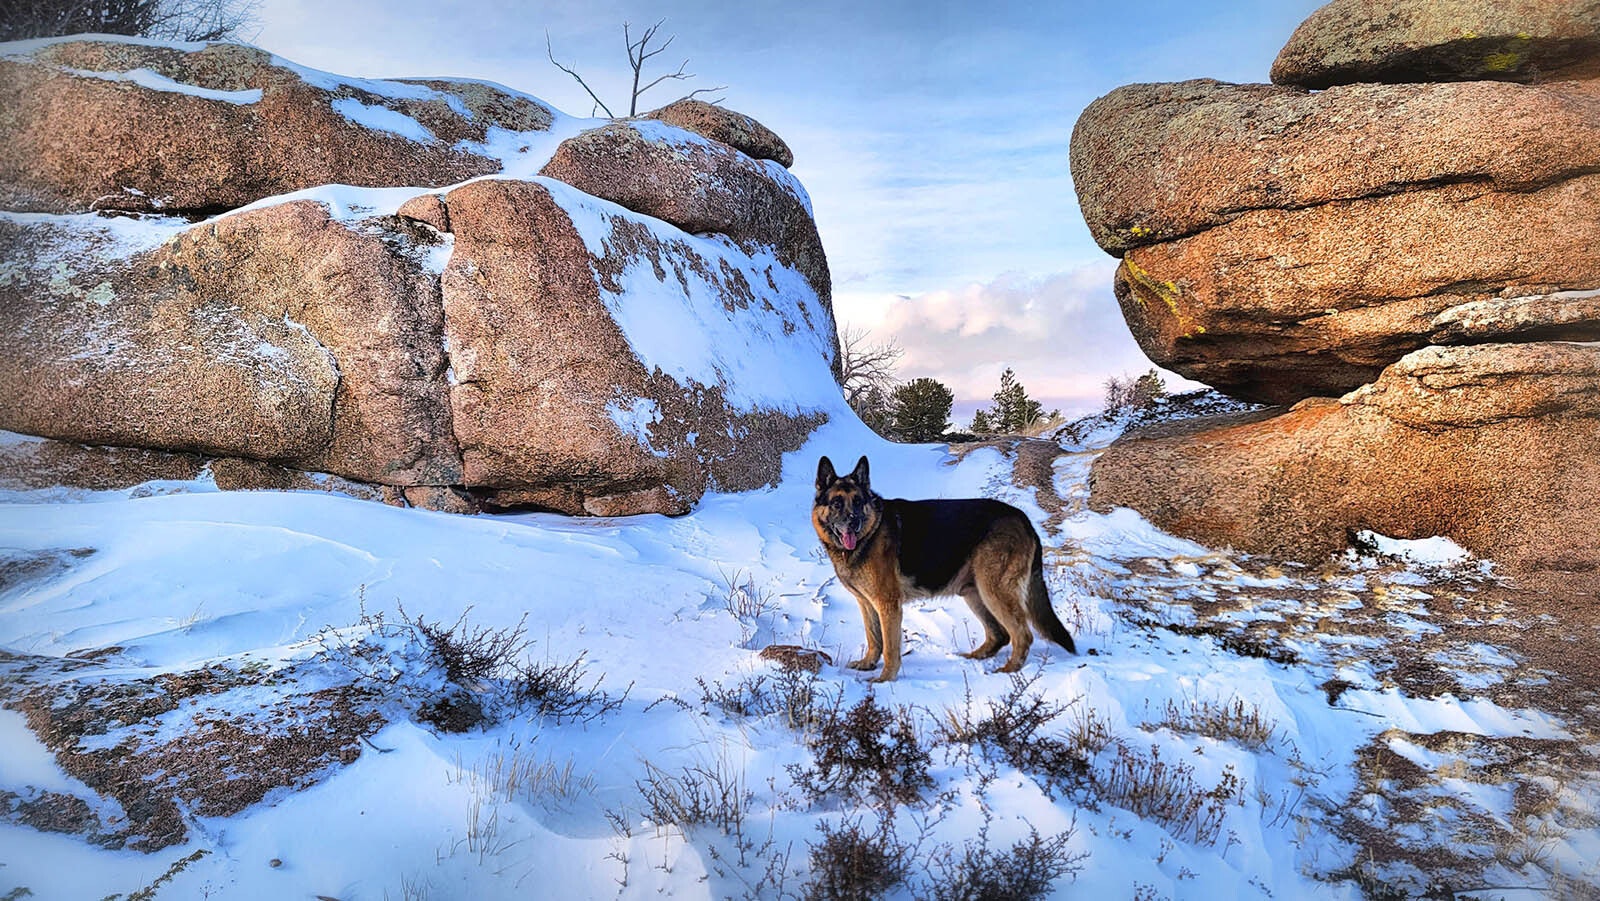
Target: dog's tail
1039, 610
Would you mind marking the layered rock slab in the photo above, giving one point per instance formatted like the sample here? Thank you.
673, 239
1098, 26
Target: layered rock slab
1350, 41
1279, 245
700, 186
129, 125
735, 129
1495, 446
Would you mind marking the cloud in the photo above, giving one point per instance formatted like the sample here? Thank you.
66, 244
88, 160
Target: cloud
1063, 335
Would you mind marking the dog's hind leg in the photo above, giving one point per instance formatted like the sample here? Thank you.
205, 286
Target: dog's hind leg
994, 635
869, 620
1002, 578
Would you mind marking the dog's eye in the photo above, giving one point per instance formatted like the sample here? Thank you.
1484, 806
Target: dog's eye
836, 504
856, 503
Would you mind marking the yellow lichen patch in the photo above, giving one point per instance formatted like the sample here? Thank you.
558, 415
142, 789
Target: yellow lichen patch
1468, 33
1168, 291
1502, 62
1140, 231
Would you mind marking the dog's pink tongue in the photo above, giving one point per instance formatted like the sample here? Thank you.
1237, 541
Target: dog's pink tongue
848, 538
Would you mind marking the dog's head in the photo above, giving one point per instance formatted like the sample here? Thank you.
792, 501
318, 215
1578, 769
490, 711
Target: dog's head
845, 511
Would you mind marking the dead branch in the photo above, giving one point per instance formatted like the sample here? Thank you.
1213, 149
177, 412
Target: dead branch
579, 78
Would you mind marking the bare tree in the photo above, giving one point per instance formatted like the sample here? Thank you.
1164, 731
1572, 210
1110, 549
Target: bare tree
178, 20
639, 52
864, 366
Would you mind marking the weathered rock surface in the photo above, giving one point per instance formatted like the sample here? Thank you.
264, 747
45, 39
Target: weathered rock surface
496, 343
1275, 306
697, 185
109, 124
1350, 41
277, 334
1156, 162
285, 340
1494, 446
1281, 245
734, 129
1385, 240
554, 403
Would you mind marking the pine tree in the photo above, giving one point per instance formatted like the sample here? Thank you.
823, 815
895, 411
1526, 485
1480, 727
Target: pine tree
1014, 411
921, 410
981, 424
1148, 388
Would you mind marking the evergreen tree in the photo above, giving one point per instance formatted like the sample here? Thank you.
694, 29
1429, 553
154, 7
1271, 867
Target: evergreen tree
1148, 388
981, 423
1014, 411
921, 410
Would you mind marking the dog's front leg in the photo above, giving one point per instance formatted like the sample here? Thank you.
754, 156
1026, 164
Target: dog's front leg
869, 620
889, 622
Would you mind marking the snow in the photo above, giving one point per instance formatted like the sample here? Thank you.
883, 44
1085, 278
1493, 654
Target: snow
765, 356
382, 118
155, 81
1435, 551
180, 580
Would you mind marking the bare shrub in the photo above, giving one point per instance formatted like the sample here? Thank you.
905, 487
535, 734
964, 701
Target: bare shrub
743, 599
563, 692
467, 653
700, 795
1024, 872
850, 863
799, 696
868, 753
486, 670
1167, 793
1233, 720
1012, 726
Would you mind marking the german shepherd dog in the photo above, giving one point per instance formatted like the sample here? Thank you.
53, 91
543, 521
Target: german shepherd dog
888, 551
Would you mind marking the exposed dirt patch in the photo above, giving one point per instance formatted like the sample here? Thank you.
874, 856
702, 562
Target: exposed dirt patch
209, 742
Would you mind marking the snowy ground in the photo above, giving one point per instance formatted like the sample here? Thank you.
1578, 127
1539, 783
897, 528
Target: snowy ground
1220, 735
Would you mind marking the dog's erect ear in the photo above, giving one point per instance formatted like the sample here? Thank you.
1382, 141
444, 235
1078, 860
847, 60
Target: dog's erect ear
860, 474
825, 474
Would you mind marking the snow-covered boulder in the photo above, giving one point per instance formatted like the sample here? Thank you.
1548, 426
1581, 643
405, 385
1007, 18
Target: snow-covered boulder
513, 341
1496, 446
732, 128
698, 185
606, 362
109, 123
275, 333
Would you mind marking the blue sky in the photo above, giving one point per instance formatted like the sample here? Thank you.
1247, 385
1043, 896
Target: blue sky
932, 137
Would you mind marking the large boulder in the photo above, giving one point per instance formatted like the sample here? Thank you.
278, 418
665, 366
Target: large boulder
496, 342
606, 364
1496, 446
1278, 305
277, 334
105, 123
549, 349
735, 129
1156, 162
698, 185
1350, 41
1280, 245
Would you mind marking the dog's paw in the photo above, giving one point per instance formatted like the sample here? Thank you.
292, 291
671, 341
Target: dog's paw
863, 663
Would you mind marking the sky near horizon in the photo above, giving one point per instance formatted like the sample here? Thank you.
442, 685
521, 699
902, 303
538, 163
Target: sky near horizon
932, 137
